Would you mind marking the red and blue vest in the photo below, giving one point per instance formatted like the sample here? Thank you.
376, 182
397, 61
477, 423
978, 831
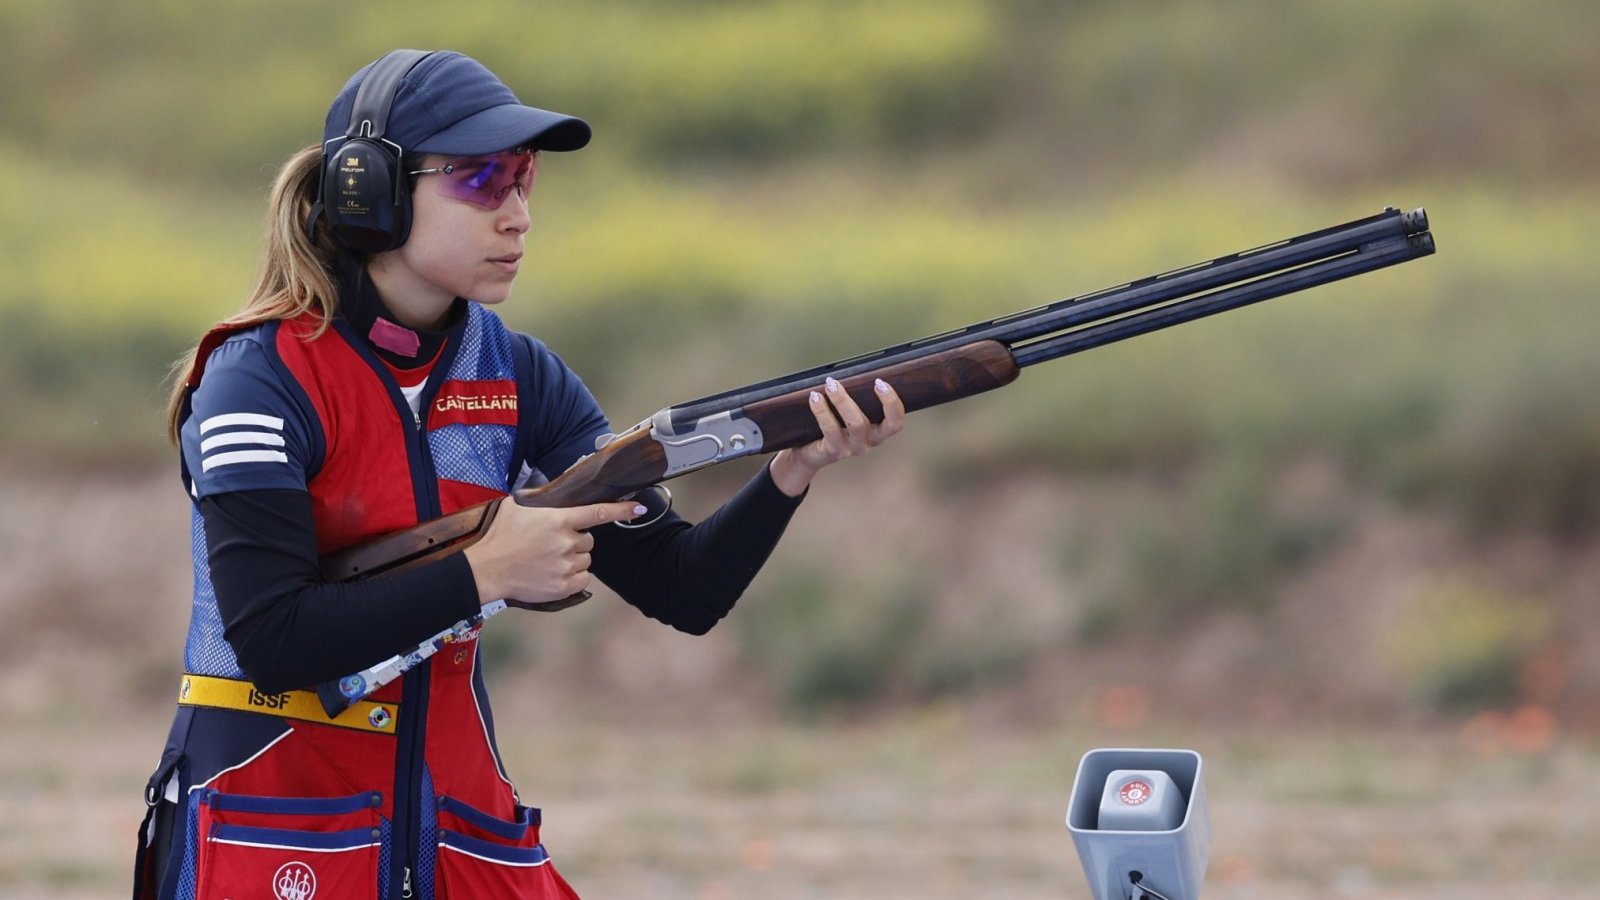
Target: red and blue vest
296, 809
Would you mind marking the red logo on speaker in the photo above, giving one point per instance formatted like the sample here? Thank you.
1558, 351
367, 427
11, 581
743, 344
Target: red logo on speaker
1134, 793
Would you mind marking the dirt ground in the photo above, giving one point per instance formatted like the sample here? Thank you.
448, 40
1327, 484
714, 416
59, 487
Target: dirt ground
925, 805
675, 797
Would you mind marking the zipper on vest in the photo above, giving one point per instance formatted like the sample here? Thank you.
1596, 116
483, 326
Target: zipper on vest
409, 762
411, 729
410, 755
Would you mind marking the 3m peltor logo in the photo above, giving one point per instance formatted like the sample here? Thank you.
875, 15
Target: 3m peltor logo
294, 881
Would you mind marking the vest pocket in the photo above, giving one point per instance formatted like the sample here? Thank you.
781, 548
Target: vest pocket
288, 848
521, 831
295, 865
485, 856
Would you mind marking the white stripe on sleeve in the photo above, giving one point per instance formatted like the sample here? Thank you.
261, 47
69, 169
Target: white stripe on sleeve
241, 437
242, 456
227, 419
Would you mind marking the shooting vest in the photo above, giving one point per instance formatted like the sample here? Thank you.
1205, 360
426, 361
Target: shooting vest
406, 796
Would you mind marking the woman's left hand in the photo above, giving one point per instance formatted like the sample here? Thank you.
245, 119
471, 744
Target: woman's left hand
846, 432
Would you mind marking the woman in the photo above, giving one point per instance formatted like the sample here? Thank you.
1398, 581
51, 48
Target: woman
366, 387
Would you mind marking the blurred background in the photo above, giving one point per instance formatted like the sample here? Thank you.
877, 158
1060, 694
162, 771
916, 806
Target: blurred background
1342, 544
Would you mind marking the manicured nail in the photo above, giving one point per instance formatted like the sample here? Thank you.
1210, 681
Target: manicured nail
833, 386
880, 386
639, 510
816, 397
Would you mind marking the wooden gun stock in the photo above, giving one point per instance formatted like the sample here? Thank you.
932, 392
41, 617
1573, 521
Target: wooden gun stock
635, 460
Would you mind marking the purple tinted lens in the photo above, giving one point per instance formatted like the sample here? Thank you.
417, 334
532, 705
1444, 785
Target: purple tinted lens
487, 180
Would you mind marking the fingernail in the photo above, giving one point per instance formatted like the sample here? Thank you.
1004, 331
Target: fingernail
833, 386
880, 386
816, 397
639, 510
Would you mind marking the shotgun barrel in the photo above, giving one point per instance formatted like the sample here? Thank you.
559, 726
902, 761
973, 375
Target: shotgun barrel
1387, 231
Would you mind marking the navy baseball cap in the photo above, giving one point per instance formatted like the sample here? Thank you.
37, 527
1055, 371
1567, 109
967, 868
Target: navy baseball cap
451, 104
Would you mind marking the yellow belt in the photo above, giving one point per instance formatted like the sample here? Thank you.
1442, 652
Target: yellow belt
230, 693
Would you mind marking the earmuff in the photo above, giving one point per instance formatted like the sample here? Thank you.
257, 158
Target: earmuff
363, 195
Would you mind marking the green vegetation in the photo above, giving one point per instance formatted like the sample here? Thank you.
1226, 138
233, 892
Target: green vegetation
777, 184
1464, 645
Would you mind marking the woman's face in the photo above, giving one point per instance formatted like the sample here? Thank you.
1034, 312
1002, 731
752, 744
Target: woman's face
457, 247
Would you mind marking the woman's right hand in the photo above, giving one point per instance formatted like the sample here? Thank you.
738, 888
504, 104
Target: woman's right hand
534, 555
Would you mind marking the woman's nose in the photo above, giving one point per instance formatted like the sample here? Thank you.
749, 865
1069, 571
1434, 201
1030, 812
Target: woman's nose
514, 215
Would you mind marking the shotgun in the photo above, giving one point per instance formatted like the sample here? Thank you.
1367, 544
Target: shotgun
773, 415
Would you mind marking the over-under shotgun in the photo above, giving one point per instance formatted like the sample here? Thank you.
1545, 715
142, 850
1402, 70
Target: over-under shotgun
775, 414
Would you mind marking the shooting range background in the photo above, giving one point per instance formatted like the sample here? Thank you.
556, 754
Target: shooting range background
1343, 544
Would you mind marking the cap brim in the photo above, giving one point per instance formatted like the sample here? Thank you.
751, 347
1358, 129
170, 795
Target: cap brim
503, 127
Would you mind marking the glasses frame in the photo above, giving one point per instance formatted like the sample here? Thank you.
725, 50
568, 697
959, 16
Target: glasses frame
499, 201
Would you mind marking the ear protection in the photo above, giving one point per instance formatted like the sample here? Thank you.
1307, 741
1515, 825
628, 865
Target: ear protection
363, 194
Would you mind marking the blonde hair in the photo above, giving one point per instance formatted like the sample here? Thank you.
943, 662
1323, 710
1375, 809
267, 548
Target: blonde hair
296, 273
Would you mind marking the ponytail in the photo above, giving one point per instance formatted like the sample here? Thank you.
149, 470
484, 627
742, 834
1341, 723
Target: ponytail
296, 274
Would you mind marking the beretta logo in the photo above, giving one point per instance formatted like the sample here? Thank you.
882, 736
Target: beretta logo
294, 881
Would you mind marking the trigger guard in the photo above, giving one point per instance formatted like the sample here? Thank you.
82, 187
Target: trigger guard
665, 493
